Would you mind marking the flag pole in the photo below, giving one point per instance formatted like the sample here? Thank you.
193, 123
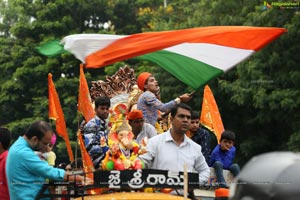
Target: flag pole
185, 184
56, 113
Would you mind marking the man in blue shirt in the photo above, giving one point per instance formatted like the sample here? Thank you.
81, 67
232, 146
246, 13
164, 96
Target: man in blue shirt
222, 157
26, 172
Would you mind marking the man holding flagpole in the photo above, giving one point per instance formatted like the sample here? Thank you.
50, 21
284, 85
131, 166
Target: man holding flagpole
149, 102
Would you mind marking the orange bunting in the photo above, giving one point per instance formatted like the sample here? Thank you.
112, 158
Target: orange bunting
210, 115
84, 99
56, 113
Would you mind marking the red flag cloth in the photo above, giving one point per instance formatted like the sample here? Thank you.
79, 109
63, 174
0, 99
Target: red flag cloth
56, 113
210, 115
87, 162
84, 99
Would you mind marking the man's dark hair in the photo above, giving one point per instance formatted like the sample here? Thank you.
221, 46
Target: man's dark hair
5, 138
194, 115
38, 129
102, 101
228, 135
180, 105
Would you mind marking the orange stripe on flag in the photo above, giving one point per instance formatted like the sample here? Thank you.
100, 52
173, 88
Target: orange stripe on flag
84, 99
56, 113
251, 38
210, 115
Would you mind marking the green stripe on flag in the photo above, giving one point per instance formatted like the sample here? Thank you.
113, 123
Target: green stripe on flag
51, 48
192, 72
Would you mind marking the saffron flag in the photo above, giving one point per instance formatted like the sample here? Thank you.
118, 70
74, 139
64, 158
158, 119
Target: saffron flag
210, 115
56, 113
87, 162
194, 55
84, 99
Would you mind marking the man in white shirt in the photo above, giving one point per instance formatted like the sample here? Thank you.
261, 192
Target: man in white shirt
171, 150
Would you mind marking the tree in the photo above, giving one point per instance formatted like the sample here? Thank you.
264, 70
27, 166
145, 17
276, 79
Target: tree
254, 97
265, 89
23, 27
258, 99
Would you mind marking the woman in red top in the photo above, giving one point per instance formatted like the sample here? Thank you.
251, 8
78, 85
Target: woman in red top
5, 137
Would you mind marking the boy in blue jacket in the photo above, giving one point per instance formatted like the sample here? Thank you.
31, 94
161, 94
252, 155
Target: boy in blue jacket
222, 157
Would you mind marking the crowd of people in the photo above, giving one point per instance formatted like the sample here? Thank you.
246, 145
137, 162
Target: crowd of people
184, 143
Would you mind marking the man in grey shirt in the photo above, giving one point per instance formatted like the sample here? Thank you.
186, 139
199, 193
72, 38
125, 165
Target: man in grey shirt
140, 128
172, 150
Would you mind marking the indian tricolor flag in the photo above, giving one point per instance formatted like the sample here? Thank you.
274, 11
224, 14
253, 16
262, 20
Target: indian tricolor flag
193, 55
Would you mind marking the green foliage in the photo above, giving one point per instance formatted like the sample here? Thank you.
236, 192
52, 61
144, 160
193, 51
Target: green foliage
62, 154
19, 127
294, 142
259, 100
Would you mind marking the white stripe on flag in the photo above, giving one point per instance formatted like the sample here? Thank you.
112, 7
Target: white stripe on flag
221, 57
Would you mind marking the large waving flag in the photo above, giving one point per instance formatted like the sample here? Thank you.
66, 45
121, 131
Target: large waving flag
210, 115
84, 99
194, 55
56, 113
